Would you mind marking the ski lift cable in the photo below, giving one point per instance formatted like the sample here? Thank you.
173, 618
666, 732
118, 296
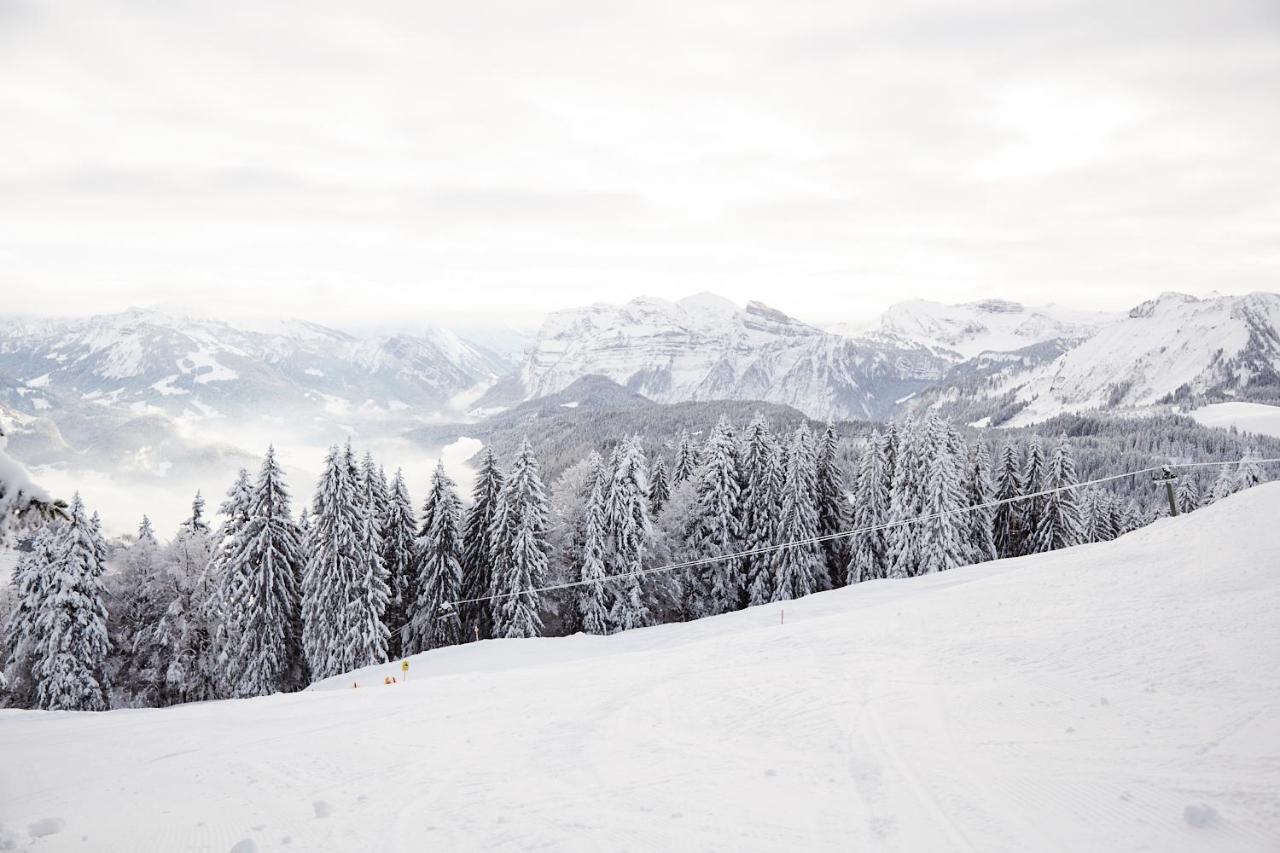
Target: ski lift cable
828, 537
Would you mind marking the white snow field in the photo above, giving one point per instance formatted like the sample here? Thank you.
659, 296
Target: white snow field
1247, 417
1122, 696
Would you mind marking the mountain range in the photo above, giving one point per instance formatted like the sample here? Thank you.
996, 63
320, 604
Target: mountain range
991, 362
143, 358
148, 400
706, 348
988, 362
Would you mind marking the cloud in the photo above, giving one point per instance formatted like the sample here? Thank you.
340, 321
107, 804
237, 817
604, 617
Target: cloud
451, 157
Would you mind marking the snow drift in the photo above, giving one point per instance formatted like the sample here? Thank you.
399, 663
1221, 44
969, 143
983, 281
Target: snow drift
1118, 696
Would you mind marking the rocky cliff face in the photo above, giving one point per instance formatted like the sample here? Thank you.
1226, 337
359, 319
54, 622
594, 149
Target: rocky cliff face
706, 348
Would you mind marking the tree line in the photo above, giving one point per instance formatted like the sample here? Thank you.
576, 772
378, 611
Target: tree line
269, 601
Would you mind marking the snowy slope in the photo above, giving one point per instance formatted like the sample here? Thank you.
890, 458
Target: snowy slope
1246, 417
706, 348
992, 325
1170, 349
1122, 696
1176, 341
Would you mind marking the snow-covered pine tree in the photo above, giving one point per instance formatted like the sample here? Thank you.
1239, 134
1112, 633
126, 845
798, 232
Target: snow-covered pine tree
1009, 521
1226, 485
374, 482
833, 506
761, 507
891, 451
566, 535
1132, 517
659, 487
1187, 496
138, 596
718, 587
907, 502
304, 542
196, 522
630, 531
331, 570
1102, 517
70, 623
1061, 524
437, 570
944, 530
675, 538
399, 549
800, 569
869, 549
592, 597
520, 549
179, 649
367, 640
1250, 471
1033, 483
31, 582
235, 515
228, 576
981, 517
99, 541
264, 612
686, 459
477, 547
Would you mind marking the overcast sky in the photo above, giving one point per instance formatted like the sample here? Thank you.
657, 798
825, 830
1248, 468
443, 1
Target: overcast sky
408, 162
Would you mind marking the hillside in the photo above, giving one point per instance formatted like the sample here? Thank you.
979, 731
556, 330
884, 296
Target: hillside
1121, 696
1175, 349
595, 412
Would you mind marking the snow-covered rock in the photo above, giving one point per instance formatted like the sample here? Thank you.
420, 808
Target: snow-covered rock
22, 502
1119, 696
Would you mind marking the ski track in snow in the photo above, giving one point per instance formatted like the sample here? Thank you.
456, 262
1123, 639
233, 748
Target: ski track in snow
1080, 700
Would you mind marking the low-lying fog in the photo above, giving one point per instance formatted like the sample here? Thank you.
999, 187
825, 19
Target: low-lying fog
160, 478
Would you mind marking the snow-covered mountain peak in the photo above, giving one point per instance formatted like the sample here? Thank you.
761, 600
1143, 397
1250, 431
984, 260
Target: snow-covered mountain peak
759, 314
707, 302
1168, 301
998, 306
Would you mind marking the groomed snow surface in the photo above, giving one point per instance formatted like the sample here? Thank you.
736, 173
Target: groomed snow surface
1122, 696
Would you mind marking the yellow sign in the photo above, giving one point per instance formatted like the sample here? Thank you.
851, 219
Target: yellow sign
404, 666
